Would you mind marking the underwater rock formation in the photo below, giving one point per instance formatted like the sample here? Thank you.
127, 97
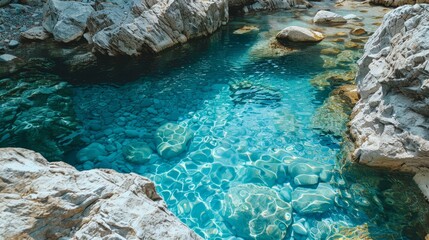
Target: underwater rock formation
37, 112
42, 200
264, 5
134, 27
311, 201
391, 120
172, 139
257, 212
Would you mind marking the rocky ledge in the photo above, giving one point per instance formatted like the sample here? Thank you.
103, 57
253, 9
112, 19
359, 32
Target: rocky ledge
390, 122
42, 200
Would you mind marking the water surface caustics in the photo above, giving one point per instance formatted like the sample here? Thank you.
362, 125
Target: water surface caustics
227, 133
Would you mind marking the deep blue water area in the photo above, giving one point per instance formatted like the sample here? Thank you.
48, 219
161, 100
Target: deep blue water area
227, 135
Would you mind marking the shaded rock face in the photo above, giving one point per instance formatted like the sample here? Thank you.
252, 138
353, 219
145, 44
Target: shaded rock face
396, 3
42, 200
134, 27
391, 121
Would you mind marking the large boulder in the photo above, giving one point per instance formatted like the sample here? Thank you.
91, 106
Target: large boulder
66, 20
42, 200
134, 27
327, 17
390, 126
257, 212
299, 34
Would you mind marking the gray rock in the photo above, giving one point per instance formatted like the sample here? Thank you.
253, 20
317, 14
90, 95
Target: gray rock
35, 33
13, 44
7, 57
42, 200
66, 20
137, 152
390, 123
4, 2
310, 201
396, 3
300, 229
327, 17
306, 179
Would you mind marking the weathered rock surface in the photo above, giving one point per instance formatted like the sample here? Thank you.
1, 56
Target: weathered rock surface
396, 3
391, 121
299, 34
264, 5
327, 17
42, 200
311, 201
134, 27
66, 20
35, 33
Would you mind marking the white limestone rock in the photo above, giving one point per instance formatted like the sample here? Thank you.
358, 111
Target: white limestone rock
327, 17
138, 26
396, 3
42, 200
299, 34
35, 33
390, 126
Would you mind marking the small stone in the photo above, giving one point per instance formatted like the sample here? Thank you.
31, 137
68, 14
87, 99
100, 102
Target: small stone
13, 44
172, 139
330, 51
358, 31
7, 57
299, 229
35, 33
246, 29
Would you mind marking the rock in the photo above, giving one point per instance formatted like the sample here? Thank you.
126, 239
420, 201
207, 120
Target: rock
311, 201
330, 51
358, 31
7, 58
136, 27
389, 124
396, 3
350, 44
13, 44
35, 33
422, 180
306, 179
270, 48
246, 29
172, 139
327, 17
66, 20
137, 152
257, 212
353, 17
4, 2
299, 34
91, 153
42, 200
299, 229
81, 62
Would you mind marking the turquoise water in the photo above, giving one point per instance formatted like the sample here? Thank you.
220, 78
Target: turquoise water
251, 165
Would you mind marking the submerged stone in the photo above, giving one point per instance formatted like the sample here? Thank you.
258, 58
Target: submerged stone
172, 139
309, 201
137, 152
306, 179
299, 34
327, 17
246, 29
299, 228
257, 212
91, 153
